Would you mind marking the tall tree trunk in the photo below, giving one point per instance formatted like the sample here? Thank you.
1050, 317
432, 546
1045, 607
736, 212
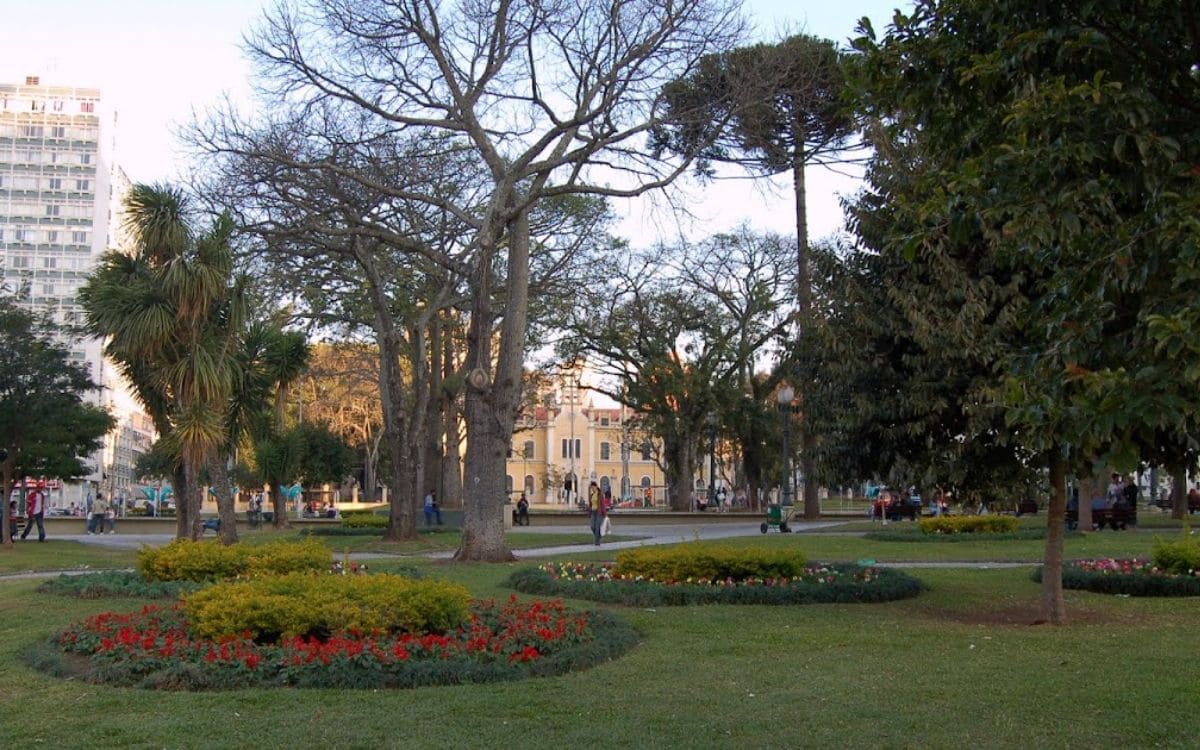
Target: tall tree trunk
433, 414
179, 479
680, 454
225, 511
188, 526
491, 407
1179, 507
6, 521
401, 506
452, 467
279, 517
1053, 608
806, 439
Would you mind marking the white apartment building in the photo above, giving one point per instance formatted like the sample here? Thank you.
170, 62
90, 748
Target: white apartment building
60, 197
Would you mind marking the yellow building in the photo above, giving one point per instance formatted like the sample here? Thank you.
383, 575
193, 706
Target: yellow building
565, 444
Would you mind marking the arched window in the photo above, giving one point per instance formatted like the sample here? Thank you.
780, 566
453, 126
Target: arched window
528, 452
509, 482
605, 483
529, 486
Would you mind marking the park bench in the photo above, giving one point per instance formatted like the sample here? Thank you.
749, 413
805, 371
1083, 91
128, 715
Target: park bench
1115, 518
1029, 507
896, 511
210, 524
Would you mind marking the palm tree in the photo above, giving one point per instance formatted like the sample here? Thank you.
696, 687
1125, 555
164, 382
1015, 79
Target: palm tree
173, 321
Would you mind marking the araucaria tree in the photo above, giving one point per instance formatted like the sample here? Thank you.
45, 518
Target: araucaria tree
773, 109
1042, 154
44, 423
551, 98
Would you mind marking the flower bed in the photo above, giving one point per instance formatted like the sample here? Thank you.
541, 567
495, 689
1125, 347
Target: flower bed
817, 584
156, 648
1129, 577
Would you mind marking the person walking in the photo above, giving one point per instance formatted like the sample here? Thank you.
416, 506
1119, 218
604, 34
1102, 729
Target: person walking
595, 511
432, 510
99, 511
522, 510
35, 511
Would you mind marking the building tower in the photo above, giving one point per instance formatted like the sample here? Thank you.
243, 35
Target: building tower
60, 199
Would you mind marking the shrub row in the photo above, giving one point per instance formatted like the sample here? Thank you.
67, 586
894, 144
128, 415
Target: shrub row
1125, 578
303, 604
679, 563
184, 560
970, 525
363, 519
821, 585
122, 584
909, 533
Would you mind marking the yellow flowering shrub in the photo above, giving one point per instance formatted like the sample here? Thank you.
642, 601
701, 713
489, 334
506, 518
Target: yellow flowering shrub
184, 560
300, 604
970, 525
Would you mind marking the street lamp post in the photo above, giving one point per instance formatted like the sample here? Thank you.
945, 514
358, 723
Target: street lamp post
786, 394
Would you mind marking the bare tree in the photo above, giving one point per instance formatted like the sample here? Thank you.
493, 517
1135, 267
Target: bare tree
554, 98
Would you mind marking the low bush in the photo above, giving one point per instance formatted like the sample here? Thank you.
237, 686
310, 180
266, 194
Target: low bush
154, 648
696, 561
184, 560
970, 525
1181, 556
115, 584
816, 585
910, 533
363, 519
301, 604
1132, 577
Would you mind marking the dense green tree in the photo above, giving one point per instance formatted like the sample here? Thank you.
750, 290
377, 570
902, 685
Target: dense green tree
47, 427
1038, 156
772, 108
551, 100
676, 335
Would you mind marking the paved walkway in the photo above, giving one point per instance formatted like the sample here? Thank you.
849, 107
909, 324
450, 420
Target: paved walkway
646, 535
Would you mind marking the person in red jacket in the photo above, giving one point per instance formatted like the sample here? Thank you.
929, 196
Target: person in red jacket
35, 511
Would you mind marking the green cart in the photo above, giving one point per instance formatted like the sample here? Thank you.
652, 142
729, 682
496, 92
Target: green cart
777, 518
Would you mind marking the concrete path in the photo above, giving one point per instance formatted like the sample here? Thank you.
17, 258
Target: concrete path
646, 535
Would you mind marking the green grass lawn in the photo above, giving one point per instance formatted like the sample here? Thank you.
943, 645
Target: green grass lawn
57, 554
959, 666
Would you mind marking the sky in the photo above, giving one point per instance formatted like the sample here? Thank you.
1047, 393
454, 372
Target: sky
157, 62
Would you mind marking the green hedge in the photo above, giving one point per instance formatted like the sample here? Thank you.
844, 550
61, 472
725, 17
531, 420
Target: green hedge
302, 604
822, 585
184, 560
970, 525
363, 519
908, 533
115, 584
1125, 578
695, 561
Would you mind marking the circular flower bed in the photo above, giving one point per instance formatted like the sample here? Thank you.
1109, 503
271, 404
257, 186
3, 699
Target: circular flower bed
155, 648
816, 585
1130, 577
